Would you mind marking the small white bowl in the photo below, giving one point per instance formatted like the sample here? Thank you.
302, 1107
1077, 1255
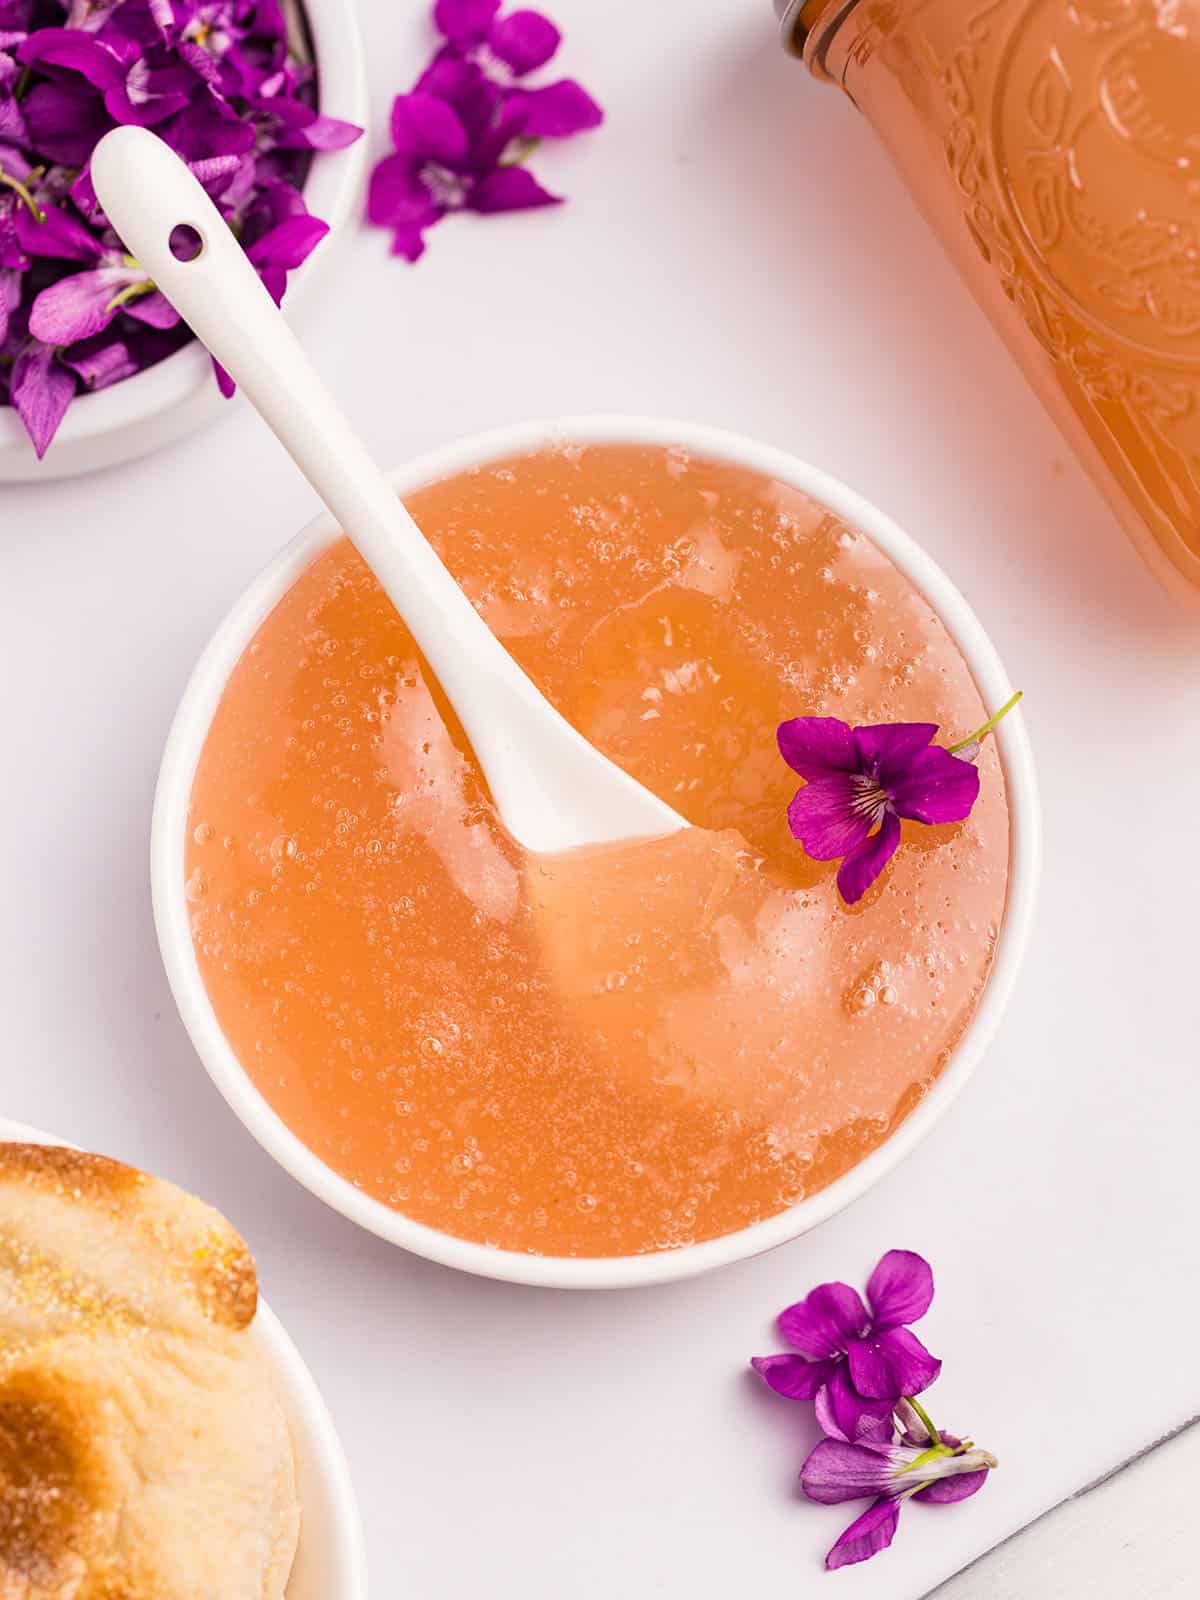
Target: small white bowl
331, 1560
171, 908
179, 395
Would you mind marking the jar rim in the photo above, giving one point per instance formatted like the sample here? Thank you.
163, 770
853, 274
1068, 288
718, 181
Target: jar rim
806, 26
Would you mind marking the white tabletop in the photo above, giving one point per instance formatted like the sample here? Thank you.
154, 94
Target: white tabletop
736, 249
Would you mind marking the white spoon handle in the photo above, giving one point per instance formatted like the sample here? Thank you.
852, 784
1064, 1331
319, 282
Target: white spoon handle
552, 788
147, 191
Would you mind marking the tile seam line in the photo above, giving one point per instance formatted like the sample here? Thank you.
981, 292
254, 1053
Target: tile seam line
1079, 1494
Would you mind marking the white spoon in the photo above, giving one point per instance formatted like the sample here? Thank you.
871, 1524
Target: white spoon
552, 788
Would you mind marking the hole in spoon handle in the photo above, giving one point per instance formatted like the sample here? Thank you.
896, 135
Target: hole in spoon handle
186, 242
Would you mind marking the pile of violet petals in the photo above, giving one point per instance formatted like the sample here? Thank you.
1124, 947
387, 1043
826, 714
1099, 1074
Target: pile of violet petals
229, 84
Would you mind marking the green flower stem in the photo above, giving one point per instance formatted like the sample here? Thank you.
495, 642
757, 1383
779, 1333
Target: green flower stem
20, 190
974, 738
934, 1435
132, 291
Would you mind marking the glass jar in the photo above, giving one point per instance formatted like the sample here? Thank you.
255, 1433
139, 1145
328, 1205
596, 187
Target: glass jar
1055, 147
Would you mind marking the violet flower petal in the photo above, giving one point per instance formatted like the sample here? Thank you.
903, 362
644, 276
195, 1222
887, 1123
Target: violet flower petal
837, 1471
197, 58
900, 1290
292, 125
12, 257
465, 86
886, 748
224, 382
65, 124
524, 40
818, 747
83, 194
11, 281
146, 97
409, 242
100, 362
41, 390
208, 127
866, 861
154, 309
822, 1324
275, 203
829, 816
558, 110
396, 197
213, 173
842, 1413
289, 244
509, 189
77, 306
886, 1365
59, 235
425, 126
867, 1536
324, 133
138, 23
13, 128
274, 281
948, 1491
465, 22
14, 163
488, 149
936, 788
794, 1377
75, 51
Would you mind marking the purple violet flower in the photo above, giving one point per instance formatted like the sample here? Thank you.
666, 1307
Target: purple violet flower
438, 168
228, 83
860, 782
508, 48
461, 134
857, 1363
863, 1370
922, 1464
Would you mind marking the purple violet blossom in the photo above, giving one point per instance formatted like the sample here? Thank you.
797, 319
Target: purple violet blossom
857, 1363
922, 1464
860, 782
862, 1370
437, 168
227, 83
508, 48
461, 134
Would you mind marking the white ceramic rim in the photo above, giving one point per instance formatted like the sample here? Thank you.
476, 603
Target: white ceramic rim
171, 908
320, 1442
331, 191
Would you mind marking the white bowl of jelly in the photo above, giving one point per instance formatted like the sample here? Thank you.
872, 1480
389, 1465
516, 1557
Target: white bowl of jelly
331, 1558
174, 830
179, 395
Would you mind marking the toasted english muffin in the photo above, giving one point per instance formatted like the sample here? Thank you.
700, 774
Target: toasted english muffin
143, 1452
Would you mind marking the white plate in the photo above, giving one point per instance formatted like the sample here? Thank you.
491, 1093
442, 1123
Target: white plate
331, 1562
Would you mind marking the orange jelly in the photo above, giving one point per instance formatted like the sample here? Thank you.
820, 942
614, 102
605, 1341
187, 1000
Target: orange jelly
616, 1050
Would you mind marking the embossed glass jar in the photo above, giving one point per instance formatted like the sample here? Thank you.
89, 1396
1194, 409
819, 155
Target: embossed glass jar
1055, 147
